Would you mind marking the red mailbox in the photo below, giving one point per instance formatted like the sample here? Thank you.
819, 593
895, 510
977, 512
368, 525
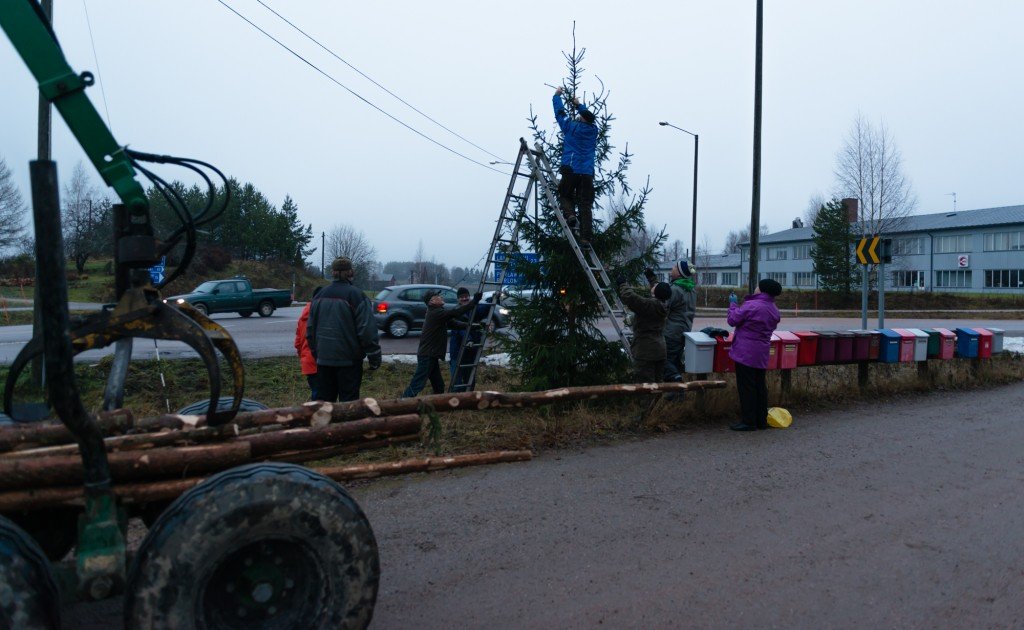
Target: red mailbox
941, 343
774, 349
844, 346
807, 353
826, 346
984, 343
876, 345
789, 350
861, 345
907, 342
723, 362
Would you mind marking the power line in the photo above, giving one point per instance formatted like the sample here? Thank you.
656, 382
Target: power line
99, 76
368, 78
356, 94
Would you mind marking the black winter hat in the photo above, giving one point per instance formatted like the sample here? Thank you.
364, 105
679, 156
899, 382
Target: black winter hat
428, 295
587, 116
662, 291
769, 286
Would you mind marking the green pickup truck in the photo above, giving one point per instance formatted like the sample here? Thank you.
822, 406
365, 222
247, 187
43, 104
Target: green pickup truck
234, 296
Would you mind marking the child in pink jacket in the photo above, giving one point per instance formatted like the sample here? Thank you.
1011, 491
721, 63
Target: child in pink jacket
755, 322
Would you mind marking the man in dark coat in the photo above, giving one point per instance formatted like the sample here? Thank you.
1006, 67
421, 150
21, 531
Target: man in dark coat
648, 346
431, 349
340, 332
577, 170
459, 327
682, 307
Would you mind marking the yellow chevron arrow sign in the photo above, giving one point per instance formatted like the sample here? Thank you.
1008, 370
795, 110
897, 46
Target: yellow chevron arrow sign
871, 256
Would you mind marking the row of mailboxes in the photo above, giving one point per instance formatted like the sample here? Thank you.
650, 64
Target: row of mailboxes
704, 354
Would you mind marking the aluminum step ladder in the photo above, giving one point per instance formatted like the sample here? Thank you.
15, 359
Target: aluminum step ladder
539, 178
504, 247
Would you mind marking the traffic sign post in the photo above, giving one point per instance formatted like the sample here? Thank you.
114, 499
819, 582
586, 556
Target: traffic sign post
156, 272
873, 250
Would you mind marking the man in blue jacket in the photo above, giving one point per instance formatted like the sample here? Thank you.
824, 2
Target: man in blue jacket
577, 186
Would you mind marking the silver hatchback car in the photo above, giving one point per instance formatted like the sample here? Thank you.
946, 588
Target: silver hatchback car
400, 309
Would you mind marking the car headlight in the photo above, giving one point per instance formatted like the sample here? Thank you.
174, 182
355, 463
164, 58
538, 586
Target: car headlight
179, 301
503, 311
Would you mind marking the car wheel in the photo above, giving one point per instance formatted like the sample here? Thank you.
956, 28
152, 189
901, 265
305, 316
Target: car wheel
398, 327
28, 593
201, 308
266, 309
263, 545
245, 313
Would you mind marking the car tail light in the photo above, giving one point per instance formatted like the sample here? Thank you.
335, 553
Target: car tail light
382, 307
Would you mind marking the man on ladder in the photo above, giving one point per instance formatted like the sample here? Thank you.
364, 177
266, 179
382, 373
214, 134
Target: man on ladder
576, 189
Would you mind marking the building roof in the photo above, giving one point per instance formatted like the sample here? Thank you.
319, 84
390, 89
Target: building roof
717, 261
986, 217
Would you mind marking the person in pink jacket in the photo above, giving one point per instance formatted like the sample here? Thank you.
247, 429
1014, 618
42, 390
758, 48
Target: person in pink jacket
306, 361
754, 321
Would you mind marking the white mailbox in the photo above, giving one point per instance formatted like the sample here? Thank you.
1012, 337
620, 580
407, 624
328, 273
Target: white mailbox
920, 344
699, 353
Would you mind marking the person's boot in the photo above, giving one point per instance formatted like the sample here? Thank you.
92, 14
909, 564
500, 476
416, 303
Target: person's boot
570, 220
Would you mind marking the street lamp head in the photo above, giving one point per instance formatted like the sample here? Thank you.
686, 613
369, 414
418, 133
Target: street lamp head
663, 124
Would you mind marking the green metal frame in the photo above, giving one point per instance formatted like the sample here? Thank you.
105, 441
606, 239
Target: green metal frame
66, 90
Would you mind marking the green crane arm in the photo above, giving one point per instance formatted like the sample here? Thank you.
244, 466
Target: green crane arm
26, 27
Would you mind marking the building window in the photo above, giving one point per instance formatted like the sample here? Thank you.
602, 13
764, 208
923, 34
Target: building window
709, 278
952, 244
1004, 278
730, 278
907, 279
907, 246
778, 276
744, 255
1004, 241
957, 278
803, 279
802, 252
775, 253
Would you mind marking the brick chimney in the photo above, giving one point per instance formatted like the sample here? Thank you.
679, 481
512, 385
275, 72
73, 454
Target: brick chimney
852, 209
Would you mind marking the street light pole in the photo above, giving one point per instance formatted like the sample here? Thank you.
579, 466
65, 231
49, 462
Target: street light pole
696, 154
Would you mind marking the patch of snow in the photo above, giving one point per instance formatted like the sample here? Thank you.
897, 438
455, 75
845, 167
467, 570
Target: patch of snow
1014, 344
500, 359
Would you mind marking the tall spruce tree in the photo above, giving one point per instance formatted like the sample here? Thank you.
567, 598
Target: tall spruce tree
832, 255
558, 342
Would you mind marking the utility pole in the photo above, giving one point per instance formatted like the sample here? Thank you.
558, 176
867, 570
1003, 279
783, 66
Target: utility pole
755, 206
323, 250
43, 155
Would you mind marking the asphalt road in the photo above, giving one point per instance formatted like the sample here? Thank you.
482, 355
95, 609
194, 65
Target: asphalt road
903, 513
273, 336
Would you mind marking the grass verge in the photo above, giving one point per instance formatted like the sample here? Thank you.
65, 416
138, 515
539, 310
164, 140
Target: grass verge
277, 383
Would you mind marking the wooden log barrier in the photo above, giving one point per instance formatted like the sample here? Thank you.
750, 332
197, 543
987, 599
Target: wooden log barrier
139, 493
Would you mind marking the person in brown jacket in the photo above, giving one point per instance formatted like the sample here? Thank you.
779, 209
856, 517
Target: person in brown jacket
432, 343
648, 346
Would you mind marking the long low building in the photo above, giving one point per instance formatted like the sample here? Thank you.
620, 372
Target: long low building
978, 251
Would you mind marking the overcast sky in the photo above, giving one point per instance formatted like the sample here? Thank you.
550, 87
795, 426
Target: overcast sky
188, 77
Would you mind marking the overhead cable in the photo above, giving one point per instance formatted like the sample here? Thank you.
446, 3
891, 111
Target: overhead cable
356, 94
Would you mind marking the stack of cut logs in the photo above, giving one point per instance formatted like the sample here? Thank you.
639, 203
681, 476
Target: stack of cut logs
156, 459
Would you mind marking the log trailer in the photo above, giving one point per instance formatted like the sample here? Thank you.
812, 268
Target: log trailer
258, 545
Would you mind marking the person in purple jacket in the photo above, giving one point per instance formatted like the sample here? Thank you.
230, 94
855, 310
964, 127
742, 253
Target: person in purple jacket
754, 323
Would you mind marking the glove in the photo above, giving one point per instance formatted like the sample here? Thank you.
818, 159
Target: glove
732, 298
478, 296
374, 360
649, 274
620, 279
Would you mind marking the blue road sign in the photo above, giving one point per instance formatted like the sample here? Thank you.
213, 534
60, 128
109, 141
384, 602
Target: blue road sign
156, 272
513, 277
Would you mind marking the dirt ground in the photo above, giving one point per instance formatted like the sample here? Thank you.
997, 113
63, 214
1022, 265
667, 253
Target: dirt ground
906, 513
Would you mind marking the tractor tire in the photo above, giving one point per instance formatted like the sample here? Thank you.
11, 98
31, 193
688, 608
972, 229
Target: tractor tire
54, 529
28, 594
262, 545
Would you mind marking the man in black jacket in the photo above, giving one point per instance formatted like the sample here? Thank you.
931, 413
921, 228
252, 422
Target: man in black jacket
340, 332
431, 349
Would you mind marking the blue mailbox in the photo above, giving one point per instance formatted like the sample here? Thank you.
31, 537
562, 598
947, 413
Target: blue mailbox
889, 351
967, 342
